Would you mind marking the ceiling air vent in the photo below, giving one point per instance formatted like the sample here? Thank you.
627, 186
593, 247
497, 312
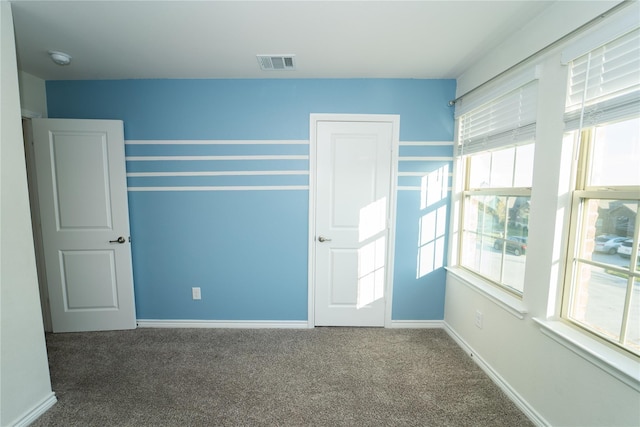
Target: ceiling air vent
276, 62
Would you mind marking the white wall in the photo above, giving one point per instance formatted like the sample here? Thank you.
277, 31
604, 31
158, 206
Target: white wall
25, 387
33, 96
555, 385
559, 387
554, 22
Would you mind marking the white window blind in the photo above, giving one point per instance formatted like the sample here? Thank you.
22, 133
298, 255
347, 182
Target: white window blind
507, 120
604, 84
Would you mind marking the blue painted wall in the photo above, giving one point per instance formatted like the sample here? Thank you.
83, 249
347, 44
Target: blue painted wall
247, 249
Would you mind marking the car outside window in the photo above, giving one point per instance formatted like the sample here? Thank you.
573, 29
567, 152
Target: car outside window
608, 244
496, 216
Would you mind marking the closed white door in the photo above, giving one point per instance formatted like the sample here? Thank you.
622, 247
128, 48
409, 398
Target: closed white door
352, 211
82, 193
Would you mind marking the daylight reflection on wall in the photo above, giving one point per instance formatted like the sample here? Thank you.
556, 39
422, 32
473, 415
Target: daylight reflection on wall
431, 240
372, 255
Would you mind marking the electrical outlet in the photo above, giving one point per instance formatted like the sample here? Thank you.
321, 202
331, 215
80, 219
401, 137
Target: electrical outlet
195, 293
479, 319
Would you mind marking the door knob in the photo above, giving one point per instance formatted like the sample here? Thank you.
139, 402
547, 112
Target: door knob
118, 240
323, 239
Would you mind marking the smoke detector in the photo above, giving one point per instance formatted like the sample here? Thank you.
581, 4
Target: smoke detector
276, 62
60, 58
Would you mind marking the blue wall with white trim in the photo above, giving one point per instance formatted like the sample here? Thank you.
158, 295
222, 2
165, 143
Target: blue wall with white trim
217, 173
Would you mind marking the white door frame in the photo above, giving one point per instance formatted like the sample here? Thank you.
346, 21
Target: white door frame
32, 183
393, 187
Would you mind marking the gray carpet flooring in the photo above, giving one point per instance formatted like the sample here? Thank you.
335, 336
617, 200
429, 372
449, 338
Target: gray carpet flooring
262, 377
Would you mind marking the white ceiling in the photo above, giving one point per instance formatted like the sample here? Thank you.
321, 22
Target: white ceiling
220, 39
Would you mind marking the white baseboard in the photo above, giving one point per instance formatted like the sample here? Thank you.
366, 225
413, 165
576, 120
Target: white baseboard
229, 324
270, 324
511, 393
35, 413
417, 324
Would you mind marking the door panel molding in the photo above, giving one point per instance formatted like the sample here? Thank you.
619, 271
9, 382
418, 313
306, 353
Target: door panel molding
394, 120
82, 191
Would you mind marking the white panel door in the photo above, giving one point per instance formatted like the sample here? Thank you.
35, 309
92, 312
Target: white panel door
80, 171
353, 175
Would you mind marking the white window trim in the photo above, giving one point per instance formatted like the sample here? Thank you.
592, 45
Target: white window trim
488, 287
583, 192
608, 359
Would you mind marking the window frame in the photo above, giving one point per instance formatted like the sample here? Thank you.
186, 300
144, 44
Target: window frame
492, 191
582, 192
501, 116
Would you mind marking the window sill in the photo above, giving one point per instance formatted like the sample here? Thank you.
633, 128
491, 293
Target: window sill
509, 303
609, 360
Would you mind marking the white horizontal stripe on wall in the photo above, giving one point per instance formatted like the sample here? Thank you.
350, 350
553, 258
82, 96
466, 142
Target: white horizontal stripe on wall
171, 177
183, 174
426, 143
217, 173
415, 188
426, 159
450, 174
222, 188
217, 142
200, 158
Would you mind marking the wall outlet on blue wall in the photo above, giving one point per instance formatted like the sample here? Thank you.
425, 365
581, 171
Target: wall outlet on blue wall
195, 293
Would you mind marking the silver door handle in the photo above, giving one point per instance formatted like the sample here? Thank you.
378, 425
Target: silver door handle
118, 240
323, 239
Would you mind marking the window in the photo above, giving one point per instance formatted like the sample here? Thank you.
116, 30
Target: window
496, 215
602, 285
496, 147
